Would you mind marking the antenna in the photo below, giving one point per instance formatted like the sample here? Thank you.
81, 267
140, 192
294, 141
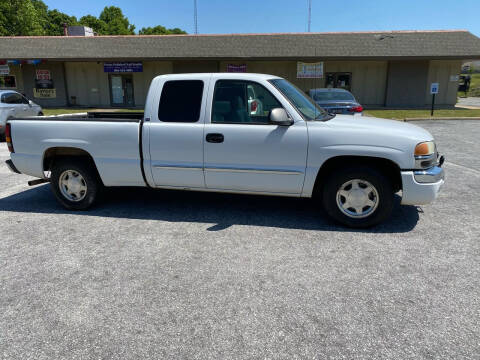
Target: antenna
309, 15
195, 19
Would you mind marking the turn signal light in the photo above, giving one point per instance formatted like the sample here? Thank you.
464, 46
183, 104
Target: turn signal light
8, 137
425, 148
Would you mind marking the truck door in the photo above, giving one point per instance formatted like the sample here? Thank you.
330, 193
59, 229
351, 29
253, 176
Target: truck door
175, 132
243, 152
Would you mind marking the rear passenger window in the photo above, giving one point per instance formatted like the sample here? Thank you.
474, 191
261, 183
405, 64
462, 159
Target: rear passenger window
181, 101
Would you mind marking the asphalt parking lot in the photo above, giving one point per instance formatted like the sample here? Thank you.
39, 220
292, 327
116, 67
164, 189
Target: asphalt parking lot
164, 274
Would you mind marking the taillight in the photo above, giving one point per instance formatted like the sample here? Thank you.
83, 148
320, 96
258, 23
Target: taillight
357, 109
254, 106
8, 137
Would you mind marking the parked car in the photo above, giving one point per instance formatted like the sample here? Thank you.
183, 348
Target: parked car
336, 101
197, 133
14, 104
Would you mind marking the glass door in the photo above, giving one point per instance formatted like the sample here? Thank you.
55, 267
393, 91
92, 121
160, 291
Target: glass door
121, 90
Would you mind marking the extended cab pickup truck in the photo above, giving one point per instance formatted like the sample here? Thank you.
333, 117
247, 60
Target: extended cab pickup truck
198, 133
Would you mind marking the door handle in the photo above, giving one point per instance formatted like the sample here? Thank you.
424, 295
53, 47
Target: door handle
215, 138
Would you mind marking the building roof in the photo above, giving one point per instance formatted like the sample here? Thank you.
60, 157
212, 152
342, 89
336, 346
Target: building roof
445, 44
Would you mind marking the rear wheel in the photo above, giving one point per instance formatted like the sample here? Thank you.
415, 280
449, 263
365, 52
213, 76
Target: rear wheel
358, 197
75, 184
40, 114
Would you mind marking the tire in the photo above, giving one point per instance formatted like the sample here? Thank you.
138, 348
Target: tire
367, 190
85, 184
40, 114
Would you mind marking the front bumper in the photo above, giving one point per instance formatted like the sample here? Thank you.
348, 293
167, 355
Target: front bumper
421, 187
12, 167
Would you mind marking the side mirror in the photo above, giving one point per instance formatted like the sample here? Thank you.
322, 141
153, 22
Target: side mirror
30, 102
279, 117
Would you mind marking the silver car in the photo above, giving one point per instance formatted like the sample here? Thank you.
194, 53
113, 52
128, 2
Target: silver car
12, 105
336, 101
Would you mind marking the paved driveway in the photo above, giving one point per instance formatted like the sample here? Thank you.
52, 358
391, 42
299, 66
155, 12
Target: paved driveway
194, 275
473, 102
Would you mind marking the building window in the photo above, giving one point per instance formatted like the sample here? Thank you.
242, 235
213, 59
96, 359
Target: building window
8, 82
181, 101
342, 80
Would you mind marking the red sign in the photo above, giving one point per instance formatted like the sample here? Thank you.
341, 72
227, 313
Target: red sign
43, 75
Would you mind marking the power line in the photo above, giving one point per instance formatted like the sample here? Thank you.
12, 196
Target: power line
195, 19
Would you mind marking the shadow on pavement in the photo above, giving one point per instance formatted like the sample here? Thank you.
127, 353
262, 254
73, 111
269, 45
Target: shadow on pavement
223, 210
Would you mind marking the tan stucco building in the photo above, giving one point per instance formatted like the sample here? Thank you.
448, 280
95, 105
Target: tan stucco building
392, 69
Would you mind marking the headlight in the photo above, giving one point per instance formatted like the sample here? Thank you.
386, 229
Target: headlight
425, 148
425, 155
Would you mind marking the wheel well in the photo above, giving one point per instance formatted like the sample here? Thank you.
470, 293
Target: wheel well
387, 167
56, 153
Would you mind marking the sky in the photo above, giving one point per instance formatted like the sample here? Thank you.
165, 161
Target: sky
273, 16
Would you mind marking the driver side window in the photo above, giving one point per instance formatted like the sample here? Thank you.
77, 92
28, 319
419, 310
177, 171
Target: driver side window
242, 102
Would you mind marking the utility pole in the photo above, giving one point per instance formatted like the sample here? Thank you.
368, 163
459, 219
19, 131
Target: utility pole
309, 15
195, 19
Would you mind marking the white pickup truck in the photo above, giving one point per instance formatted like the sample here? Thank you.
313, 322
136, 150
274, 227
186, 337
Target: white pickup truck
198, 133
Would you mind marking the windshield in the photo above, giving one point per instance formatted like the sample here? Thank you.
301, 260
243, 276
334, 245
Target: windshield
305, 105
322, 96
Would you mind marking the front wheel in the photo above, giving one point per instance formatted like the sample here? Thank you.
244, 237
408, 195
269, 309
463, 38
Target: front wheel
358, 197
75, 184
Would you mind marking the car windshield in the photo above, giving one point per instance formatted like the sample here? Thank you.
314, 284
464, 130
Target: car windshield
331, 95
304, 104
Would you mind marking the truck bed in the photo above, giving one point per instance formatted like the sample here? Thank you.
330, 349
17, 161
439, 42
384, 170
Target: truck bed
113, 140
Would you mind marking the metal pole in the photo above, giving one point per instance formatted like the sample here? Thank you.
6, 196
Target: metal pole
195, 19
433, 104
309, 15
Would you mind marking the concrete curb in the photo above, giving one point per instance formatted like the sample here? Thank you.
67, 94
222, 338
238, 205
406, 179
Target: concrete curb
441, 118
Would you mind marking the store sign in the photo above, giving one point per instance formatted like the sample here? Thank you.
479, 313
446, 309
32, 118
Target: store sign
43, 79
43, 75
237, 68
45, 93
122, 67
4, 70
309, 70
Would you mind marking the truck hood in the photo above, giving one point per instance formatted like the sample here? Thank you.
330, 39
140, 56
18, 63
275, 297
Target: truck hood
347, 135
381, 127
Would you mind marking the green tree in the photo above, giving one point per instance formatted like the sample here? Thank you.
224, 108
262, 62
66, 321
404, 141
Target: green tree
33, 17
116, 23
160, 30
19, 17
55, 22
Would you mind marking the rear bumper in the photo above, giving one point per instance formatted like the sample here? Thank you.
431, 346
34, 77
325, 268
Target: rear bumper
421, 187
12, 167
